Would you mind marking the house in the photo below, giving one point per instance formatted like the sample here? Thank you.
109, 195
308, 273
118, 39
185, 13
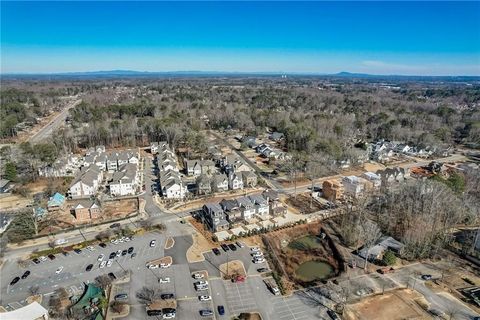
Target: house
66, 166
5, 221
215, 217
276, 207
207, 167
112, 162
101, 162
173, 188
125, 181
193, 167
385, 243
402, 148
86, 210
5, 185
276, 136
155, 146
247, 208
262, 209
39, 212
204, 185
56, 202
249, 178
232, 211
373, 178
392, 175
235, 181
219, 183
86, 184
332, 190
353, 186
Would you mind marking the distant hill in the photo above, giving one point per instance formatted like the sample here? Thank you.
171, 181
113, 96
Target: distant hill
194, 73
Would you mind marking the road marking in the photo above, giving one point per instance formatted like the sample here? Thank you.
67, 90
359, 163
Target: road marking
49, 294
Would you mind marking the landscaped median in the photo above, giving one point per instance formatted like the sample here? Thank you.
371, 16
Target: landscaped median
163, 262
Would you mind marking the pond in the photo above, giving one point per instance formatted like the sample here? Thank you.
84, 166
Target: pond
306, 243
314, 270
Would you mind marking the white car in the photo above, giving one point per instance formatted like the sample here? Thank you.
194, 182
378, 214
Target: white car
153, 243
204, 298
153, 266
165, 280
255, 249
198, 276
103, 264
109, 263
119, 253
60, 269
257, 254
202, 283
259, 260
127, 239
168, 315
114, 241
100, 257
42, 258
90, 248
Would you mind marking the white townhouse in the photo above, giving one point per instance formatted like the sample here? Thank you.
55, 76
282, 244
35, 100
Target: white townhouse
86, 184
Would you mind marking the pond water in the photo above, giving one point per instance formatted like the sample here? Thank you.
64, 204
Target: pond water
305, 243
314, 270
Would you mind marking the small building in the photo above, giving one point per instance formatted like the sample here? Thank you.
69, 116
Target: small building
385, 243
373, 178
193, 168
5, 185
249, 141
86, 210
354, 186
219, 183
204, 185
247, 208
262, 209
56, 202
232, 211
276, 207
32, 311
332, 190
276, 136
235, 181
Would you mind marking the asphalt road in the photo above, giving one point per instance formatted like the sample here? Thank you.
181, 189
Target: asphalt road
54, 124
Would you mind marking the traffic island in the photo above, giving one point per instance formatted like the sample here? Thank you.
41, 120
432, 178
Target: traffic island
169, 243
233, 270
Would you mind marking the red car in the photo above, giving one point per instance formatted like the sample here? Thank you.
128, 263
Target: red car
238, 279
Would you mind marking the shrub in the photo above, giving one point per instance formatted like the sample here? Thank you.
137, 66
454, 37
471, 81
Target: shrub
389, 258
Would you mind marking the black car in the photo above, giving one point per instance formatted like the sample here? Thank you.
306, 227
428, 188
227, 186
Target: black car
221, 310
154, 312
333, 315
89, 267
78, 251
112, 276
121, 296
103, 245
206, 313
216, 251
166, 296
232, 247
51, 256
224, 247
115, 225
15, 280
133, 255
130, 250
262, 270
36, 261
65, 253
427, 277
112, 255
25, 274
124, 252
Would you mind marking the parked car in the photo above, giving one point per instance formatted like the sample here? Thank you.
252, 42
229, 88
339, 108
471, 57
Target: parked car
169, 313
198, 276
100, 257
133, 255
112, 276
114, 241
257, 254
36, 261
119, 253
102, 245
240, 244
221, 310
109, 263
124, 252
42, 258
51, 256
255, 249
77, 251
167, 296
121, 296
115, 225
153, 243
258, 260
103, 264
130, 250
232, 247
14, 280
437, 313
238, 279
427, 277
224, 247
385, 270
262, 270
164, 280
90, 248
112, 255
216, 251
25, 274
60, 269
89, 267
206, 313
204, 298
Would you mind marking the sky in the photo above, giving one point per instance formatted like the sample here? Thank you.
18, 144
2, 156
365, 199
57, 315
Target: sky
403, 38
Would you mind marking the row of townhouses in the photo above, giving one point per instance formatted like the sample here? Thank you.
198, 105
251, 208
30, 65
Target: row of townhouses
229, 213
171, 183
383, 150
86, 183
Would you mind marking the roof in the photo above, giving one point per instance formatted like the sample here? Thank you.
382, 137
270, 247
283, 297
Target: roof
371, 176
56, 200
213, 207
4, 220
270, 194
229, 205
220, 178
31, 311
244, 202
4, 182
258, 199
86, 203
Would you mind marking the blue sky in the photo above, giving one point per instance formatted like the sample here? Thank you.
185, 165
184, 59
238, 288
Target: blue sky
426, 38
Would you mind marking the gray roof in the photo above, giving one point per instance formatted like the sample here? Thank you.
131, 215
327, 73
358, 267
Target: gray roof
229, 205
214, 207
219, 178
258, 199
87, 176
244, 202
4, 182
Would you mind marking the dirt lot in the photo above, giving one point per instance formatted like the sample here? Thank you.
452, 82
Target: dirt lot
291, 258
14, 201
395, 305
234, 268
301, 203
199, 246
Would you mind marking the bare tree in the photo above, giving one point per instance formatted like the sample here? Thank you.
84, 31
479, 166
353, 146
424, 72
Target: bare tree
147, 295
370, 235
103, 281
